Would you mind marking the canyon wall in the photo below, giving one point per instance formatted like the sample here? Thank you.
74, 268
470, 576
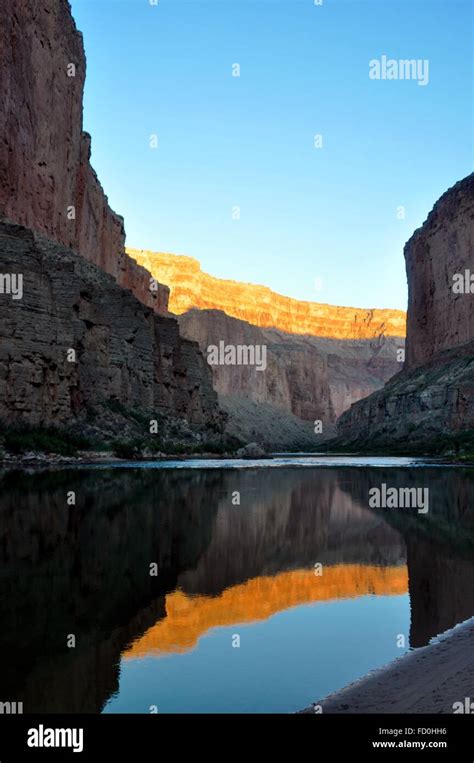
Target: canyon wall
190, 287
306, 378
46, 179
295, 377
77, 341
439, 317
321, 358
82, 293
433, 397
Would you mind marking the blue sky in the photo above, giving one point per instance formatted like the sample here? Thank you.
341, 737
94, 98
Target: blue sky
315, 223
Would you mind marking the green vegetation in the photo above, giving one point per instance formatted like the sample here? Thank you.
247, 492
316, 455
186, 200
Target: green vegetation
455, 447
19, 440
135, 447
135, 414
129, 448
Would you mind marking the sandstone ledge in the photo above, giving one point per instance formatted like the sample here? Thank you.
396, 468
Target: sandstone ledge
191, 287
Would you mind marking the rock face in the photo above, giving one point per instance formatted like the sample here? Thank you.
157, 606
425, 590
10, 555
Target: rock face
434, 394
416, 406
332, 357
122, 351
46, 180
306, 378
190, 287
439, 316
295, 377
78, 291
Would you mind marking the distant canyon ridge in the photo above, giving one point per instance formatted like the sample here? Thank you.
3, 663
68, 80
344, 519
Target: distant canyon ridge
191, 288
320, 358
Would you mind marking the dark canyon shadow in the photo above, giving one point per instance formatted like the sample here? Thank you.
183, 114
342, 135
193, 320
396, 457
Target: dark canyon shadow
83, 570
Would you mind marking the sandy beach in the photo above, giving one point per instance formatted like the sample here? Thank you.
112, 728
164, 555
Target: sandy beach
431, 679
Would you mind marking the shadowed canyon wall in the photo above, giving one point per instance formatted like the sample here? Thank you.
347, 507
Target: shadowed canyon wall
434, 394
312, 377
126, 351
123, 350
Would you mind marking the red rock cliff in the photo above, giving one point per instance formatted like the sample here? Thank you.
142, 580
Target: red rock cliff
44, 153
440, 316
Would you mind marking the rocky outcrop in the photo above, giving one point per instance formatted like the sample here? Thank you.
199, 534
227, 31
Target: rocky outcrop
439, 257
434, 394
416, 406
262, 307
306, 378
46, 179
76, 340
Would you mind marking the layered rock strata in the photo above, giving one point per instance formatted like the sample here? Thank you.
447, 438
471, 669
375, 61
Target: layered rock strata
261, 306
306, 378
76, 340
46, 180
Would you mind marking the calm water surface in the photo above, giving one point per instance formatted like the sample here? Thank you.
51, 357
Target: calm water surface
260, 606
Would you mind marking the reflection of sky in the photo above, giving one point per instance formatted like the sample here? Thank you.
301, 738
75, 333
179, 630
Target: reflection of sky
283, 664
274, 463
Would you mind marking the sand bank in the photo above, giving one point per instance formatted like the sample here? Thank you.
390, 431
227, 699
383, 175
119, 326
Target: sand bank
438, 678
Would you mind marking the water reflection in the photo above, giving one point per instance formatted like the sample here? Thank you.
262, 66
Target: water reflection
84, 570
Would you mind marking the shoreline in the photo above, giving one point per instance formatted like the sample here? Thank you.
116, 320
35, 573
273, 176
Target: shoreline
93, 458
436, 679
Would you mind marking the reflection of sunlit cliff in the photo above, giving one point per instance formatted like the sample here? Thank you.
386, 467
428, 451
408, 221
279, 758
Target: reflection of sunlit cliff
190, 617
